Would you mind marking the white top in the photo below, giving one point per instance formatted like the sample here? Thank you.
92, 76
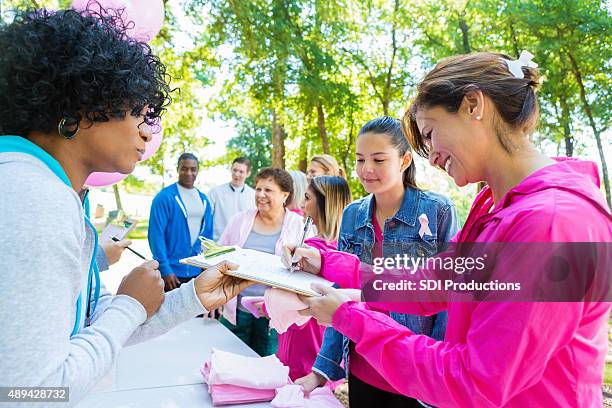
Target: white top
195, 210
40, 305
228, 201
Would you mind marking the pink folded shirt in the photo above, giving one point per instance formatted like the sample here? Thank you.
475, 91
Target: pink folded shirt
282, 307
250, 304
252, 372
236, 379
289, 396
225, 394
292, 396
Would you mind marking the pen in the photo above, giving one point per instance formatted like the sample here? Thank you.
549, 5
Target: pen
306, 227
136, 253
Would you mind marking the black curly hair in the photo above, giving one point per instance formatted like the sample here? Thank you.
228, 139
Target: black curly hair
75, 65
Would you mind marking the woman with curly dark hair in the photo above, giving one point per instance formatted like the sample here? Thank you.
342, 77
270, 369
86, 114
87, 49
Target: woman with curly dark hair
76, 96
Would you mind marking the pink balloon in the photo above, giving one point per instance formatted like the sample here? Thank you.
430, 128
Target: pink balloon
104, 179
147, 15
153, 145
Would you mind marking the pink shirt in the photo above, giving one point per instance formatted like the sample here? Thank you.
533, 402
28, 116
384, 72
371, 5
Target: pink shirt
299, 345
500, 354
378, 235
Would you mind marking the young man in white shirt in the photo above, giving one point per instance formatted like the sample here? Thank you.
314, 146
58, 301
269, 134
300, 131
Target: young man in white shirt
231, 198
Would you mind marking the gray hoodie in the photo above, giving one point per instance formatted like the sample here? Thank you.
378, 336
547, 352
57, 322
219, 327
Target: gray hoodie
45, 252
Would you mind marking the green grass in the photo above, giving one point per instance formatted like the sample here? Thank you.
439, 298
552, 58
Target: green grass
140, 232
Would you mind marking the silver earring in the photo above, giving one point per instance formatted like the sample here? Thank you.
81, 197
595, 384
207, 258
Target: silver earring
65, 133
478, 117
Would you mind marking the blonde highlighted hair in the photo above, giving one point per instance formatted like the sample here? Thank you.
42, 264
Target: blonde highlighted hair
333, 195
329, 164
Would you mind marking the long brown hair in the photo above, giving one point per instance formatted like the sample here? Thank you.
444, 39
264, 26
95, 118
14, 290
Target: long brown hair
333, 195
452, 78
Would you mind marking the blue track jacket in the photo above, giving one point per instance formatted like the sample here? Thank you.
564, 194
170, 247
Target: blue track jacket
169, 237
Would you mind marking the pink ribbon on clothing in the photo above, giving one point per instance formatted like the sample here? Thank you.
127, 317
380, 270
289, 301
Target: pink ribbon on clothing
424, 230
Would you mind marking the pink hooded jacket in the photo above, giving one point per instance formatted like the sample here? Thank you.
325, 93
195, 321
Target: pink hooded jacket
237, 231
498, 354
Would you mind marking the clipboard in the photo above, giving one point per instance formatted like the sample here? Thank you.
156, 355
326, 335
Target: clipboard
119, 227
263, 268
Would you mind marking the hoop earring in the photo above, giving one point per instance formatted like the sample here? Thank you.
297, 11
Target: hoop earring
65, 133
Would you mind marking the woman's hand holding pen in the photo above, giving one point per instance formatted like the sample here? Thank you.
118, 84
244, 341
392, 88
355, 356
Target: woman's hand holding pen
307, 259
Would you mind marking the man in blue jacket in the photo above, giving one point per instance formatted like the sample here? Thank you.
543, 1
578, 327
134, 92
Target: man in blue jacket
180, 213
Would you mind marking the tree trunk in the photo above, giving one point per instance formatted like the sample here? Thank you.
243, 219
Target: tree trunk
465, 38
349, 144
567, 132
117, 197
303, 162
389, 77
278, 142
515, 44
596, 133
321, 126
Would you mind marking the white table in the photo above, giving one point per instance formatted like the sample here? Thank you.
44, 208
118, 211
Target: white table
180, 396
165, 371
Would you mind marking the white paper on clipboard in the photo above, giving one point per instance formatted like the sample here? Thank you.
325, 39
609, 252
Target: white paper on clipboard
263, 268
119, 228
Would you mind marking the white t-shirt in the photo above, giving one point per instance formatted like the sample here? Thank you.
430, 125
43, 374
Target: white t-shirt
195, 210
227, 201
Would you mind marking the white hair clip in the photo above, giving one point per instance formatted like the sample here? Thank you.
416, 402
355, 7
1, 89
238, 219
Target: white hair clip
525, 60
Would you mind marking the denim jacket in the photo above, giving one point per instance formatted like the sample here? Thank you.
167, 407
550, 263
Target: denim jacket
400, 236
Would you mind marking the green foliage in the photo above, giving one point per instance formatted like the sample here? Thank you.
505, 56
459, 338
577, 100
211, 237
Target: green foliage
188, 69
132, 184
252, 141
320, 69
325, 68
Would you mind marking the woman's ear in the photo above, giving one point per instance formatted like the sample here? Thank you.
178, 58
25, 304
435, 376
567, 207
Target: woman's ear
406, 161
473, 104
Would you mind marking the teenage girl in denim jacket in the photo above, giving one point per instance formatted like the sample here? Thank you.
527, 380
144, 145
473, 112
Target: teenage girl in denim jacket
384, 223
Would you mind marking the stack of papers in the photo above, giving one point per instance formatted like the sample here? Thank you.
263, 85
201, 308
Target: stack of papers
263, 268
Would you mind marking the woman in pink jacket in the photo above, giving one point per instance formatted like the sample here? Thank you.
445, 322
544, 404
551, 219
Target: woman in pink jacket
267, 229
472, 117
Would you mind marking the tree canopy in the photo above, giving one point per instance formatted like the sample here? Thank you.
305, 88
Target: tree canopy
300, 77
